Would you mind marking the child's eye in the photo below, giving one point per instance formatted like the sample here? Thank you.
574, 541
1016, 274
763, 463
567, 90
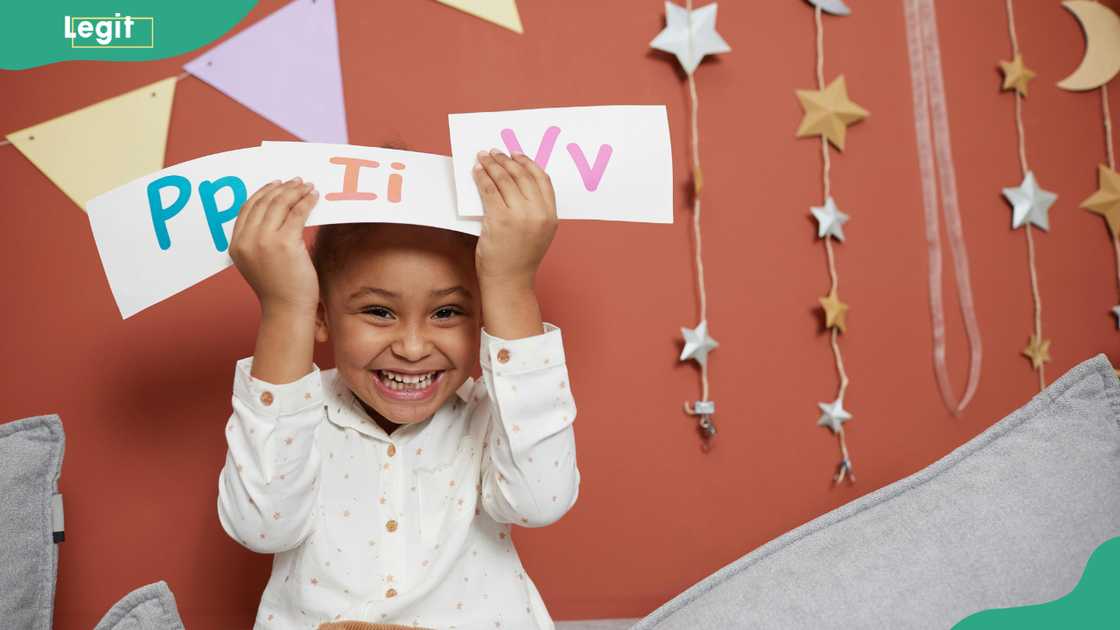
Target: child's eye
447, 312
378, 311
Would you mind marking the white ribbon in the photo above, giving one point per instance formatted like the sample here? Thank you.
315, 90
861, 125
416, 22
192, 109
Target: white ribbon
929, 103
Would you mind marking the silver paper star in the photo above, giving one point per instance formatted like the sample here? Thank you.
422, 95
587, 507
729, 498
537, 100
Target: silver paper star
1116, 312
697, 343
833, 415
829, 219
1030, 203
835, 7
704, 39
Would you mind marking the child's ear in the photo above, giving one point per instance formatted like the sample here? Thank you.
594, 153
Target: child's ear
321, 323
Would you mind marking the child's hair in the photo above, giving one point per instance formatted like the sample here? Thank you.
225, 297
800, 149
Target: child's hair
333, 243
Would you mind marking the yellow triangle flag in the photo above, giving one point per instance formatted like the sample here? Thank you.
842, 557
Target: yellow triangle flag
500, 12
98, 148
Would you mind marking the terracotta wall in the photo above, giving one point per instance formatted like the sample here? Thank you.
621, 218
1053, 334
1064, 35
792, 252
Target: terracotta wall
144, 400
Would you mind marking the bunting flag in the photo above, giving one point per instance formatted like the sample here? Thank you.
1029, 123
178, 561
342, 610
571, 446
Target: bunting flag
500, 12
105, 145
285, 67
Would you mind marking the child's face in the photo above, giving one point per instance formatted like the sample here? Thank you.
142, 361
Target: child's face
406, 302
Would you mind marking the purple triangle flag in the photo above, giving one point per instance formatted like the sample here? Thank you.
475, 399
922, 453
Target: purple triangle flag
285, 67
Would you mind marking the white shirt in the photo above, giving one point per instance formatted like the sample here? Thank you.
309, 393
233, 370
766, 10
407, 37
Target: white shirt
410, 528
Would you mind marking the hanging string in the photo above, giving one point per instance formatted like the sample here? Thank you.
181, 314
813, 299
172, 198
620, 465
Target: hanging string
177, 79
1024, 167
845, 468
1107, 115
697, 181
1107, 127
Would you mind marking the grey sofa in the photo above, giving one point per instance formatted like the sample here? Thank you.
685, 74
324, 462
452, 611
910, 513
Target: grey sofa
1007, 519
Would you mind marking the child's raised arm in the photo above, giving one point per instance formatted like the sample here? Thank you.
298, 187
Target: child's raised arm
268, 248
517, 228
267, 489
529, 472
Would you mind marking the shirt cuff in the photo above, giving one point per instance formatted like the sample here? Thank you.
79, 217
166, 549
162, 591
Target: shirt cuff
273, 400
517, 356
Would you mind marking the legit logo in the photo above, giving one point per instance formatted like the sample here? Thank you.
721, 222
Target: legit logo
110, 32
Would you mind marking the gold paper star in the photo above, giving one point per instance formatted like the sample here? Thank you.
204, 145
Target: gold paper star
828, 112
1016, 75
1038, 351
1106, 201
834, 311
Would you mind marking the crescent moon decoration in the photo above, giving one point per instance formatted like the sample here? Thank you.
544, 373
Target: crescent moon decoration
828, 112
835, 7
1030, 203
1102, 45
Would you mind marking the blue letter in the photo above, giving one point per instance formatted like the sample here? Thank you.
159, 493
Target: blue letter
216, 218
160, 215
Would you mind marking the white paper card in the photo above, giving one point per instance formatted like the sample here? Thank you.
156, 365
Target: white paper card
169, 230
611, 163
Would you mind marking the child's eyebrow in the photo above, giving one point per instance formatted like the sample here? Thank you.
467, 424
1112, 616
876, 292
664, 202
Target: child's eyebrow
390, 294
448, 291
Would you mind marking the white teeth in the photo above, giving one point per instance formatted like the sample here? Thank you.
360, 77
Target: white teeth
399, 382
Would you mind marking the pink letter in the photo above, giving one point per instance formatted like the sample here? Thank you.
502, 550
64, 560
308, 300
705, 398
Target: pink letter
544, 151
594, 174
350, 180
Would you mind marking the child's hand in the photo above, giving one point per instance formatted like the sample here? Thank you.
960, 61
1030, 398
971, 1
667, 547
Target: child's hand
268, 247
519, 222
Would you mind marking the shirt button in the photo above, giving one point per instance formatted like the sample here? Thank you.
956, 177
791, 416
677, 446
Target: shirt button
392, 450
391, 525
266, 398
391, 592
503, 356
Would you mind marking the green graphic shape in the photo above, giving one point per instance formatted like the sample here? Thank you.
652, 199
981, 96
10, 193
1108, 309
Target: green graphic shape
42, 32
1093, 603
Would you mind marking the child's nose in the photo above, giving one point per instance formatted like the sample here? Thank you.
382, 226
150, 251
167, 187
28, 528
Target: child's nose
412, 345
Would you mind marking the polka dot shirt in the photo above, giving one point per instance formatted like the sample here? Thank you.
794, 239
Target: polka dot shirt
412, 528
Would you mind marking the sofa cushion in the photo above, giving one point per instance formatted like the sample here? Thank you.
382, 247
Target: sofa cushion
1007, 519
30, 463
150, 607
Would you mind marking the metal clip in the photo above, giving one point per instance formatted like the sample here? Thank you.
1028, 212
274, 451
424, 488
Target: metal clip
705, 409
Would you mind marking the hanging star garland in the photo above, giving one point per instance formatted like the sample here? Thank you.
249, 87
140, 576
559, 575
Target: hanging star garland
697, 343
1016, 75
828, 113
1106, 201
834, 311
830, 220
1030, 203
1038, 351
690, 35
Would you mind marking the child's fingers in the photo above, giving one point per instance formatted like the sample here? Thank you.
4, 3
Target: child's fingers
508, 188
265, 201
243, 215
280, 207
525, 182
491, 197
276, 206
544, 182
297, 218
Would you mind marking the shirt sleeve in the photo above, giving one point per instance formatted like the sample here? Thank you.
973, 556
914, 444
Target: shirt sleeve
268, 487
529, 473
